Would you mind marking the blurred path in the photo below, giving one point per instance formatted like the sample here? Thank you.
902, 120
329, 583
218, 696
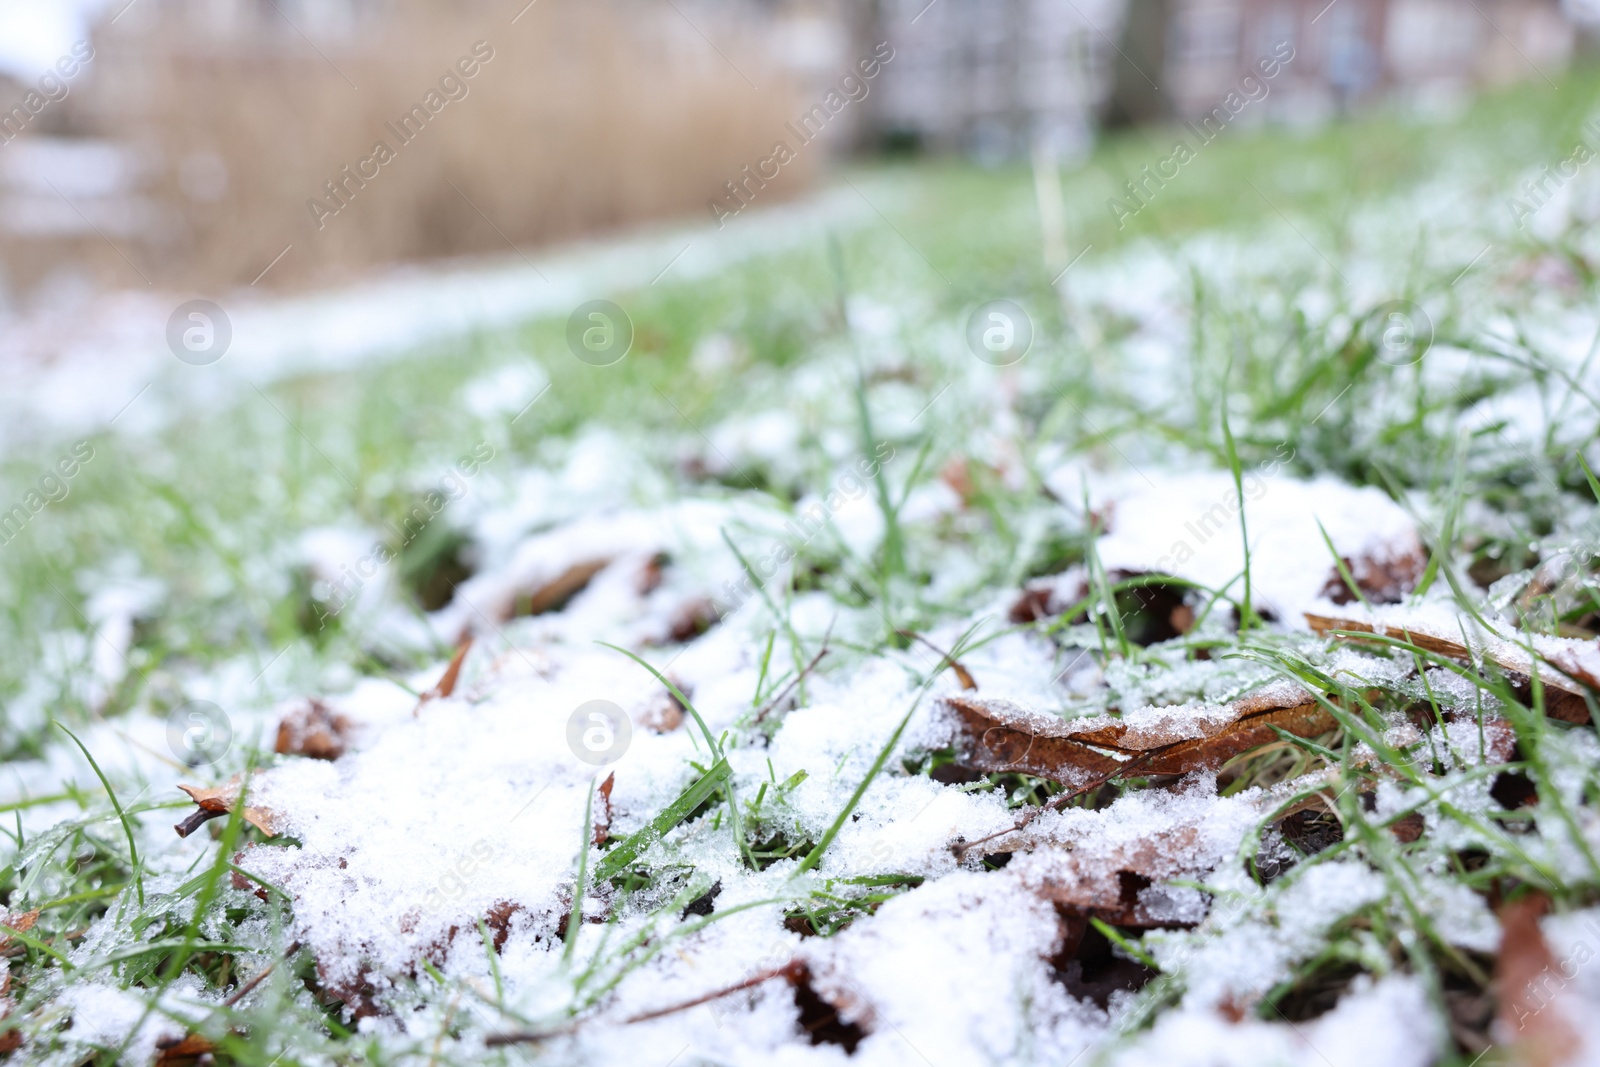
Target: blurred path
107, 364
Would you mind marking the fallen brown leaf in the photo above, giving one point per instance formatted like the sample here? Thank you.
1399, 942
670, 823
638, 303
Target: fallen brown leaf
185, 1050
1043, 598
1408, 828
1000, 737
446, 684
560, 589
602, 815
690, 619
311, 729
1108, 878
21, 922
214, 803
1220, 743
651, 574
1531, 984
995, 736
662, 713
1384, 580
1564, 686
963, 675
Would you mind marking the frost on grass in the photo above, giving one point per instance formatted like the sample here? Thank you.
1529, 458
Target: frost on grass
1054, 745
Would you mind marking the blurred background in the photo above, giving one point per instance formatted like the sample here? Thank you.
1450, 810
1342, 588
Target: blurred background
185, 145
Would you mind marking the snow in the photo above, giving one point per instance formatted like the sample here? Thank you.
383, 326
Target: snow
1188, 525
470, 807
35, 33
1387, 1022
908, 977
111, 1018
76, 369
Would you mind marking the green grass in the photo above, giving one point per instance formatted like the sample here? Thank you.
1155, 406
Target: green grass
211, 506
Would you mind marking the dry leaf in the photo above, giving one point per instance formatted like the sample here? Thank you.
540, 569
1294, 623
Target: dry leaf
560, 589
1044, 598
1383, 580
997, 736
1408, 828
956, 475
662, 712
21, 922
602, 814
1108, 878
218, 802
690, 619
1531, 987
311, 729
452, 673
963, 675
823, 1021
184, 1050
1564, 696
11, 1040
651, 574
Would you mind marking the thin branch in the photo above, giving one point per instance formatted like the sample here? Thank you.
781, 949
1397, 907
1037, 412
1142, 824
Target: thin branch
1060, 801
789, 970
783, 693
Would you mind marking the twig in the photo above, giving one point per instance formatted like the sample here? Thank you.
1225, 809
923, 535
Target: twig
1057, 802
522, 1037
783, 693
967, 681
197, 818
244, 990
447, 681
789, 970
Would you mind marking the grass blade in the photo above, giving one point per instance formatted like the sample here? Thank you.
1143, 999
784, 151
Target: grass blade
127, 824
673, 814
580, 888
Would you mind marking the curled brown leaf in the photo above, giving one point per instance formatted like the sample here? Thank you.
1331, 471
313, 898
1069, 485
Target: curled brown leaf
1532, 987
997, 736
216, 802
312, 729
452, 673
1564, 685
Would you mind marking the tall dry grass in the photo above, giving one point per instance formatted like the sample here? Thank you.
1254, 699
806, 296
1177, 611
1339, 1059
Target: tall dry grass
591, 115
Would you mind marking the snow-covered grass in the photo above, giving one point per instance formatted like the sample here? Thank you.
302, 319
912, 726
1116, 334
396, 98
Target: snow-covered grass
802, 857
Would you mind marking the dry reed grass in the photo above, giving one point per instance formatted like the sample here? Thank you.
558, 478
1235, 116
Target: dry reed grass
590, 115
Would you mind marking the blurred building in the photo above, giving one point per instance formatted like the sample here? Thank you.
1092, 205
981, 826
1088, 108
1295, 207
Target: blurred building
221, 143
1347, 52
994, 77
